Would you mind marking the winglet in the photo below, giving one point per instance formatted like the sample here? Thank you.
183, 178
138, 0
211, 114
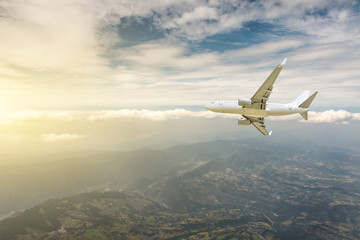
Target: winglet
283, 62
308, 101
270, 133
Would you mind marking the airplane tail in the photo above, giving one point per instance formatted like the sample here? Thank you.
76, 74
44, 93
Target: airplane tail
306, 104
301, 98
304, 115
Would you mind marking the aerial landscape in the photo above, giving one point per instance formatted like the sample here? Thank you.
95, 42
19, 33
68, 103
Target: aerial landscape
219, 189
112, 121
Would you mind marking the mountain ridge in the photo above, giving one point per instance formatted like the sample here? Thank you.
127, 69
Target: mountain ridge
296, 189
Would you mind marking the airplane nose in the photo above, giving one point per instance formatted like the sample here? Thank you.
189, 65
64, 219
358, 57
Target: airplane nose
208, 107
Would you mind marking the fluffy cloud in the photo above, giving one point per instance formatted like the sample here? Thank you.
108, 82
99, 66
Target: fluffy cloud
41, 132
330, 116
40, 39
149, 115
356, 116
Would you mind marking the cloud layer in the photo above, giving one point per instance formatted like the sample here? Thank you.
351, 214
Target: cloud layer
24, 117
43, 133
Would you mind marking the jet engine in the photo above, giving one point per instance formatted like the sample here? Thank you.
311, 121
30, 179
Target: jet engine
244, 102
243, 121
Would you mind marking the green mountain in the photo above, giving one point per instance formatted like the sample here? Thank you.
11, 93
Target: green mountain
276, 174
116, 215
245, 189
22, 187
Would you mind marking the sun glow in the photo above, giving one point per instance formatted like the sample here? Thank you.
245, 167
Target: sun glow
3, 103
4, 108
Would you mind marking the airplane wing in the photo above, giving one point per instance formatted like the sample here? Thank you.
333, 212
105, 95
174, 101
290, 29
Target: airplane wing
259, 125
263, 93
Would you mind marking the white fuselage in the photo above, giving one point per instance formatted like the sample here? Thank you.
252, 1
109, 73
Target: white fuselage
272, 109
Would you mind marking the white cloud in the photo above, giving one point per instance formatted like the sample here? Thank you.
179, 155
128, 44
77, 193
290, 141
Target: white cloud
199, 13
63, 53
44, 132
41, 38
163, 55
149, 115
22, 117
52, 137
356, 116
329, 116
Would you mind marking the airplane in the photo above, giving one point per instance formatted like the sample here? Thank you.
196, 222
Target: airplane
255, 109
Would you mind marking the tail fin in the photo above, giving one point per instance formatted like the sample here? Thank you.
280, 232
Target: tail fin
306, 105
308, 101
301, 98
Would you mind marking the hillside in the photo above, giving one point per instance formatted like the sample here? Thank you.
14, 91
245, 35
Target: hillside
116, 215
274, 190
25, 186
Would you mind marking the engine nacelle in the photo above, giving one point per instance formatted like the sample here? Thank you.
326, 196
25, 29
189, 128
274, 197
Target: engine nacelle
243, 121
244, 102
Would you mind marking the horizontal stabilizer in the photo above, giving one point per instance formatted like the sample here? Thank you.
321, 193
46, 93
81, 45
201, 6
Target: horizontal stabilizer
308, 101
304, 115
